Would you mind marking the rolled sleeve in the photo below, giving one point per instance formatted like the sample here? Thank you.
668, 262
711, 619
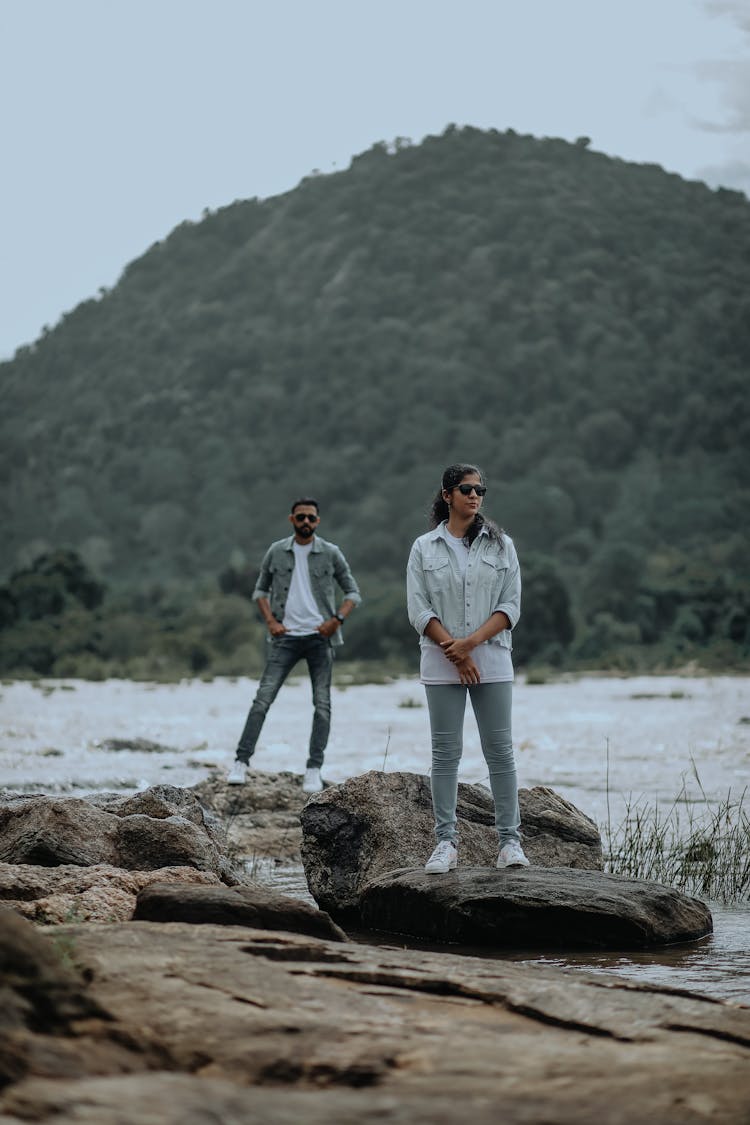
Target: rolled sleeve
417, 601
263, 585
346, 579
509, 599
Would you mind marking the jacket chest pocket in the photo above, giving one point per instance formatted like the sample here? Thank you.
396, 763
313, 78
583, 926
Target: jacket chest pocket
320, 568
492, 566
436, 573
493, 572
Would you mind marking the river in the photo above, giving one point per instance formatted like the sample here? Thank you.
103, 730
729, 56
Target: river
603, 742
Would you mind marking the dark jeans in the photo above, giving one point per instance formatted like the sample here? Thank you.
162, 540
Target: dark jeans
285, 652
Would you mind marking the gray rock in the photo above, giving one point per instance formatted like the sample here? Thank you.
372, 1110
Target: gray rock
160, 802
255, 905
164, 827
380, 822
51, 1023
102, 893
37, 989
261, 817
534, 907
140, 745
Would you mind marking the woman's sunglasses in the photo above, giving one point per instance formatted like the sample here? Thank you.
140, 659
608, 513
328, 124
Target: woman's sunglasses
467, 489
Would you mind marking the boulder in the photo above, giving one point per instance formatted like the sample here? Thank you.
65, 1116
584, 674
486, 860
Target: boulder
162, 827
51, 1024
255, 905
37, 987
379, 822
102, 893
261, 817
533, 907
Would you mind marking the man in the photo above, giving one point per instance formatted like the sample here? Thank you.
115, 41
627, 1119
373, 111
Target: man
296, 597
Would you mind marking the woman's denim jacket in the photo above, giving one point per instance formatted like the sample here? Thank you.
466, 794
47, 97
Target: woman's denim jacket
435, 586
325, 564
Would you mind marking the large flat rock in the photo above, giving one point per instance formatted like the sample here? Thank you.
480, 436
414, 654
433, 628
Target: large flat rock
176, 1023
252, 905
378, 822
534, 907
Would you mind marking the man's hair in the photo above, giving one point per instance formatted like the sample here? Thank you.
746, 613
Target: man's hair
306, 500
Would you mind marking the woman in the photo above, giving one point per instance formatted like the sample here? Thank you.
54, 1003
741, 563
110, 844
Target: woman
464, 597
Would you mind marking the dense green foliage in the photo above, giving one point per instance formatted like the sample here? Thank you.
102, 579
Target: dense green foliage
578, 325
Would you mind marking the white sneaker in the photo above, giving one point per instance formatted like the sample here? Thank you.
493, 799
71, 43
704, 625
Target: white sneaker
312, 781
511, 855
238, 773
444, 858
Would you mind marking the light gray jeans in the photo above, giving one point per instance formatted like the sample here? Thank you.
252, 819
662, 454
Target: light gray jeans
492, 706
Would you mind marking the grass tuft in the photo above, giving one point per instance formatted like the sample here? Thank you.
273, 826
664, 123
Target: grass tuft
703, 850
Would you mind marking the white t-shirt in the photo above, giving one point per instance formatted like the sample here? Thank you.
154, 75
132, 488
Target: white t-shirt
494, 663
301, 614
460, 550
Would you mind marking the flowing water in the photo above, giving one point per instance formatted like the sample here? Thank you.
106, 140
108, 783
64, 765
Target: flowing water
600, 741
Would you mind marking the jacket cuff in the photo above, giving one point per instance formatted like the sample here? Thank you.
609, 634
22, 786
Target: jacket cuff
511, 612
422, 620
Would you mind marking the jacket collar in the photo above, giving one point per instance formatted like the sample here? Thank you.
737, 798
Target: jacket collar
439, 532
288, 544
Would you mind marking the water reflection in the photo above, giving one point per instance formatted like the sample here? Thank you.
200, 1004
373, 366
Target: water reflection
718, 965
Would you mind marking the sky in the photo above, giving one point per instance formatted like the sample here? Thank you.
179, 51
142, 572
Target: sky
119, 119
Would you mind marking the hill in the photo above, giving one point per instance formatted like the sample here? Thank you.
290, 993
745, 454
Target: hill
578, 325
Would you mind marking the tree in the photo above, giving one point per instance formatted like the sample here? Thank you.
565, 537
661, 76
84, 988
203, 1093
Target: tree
546, 627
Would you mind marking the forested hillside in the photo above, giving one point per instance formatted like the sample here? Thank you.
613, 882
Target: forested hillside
577, 325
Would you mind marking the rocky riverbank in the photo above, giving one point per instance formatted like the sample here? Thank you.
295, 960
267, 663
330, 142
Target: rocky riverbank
144, 1022
174, 989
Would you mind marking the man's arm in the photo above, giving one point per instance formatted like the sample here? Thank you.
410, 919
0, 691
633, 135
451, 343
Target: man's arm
274, 626
345, 578
333, 624
343, 575
260, 595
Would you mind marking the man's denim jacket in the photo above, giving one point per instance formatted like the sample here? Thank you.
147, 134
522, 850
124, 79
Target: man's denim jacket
326, 563
435, 586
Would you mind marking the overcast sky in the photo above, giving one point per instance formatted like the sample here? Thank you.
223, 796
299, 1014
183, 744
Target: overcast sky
121, 118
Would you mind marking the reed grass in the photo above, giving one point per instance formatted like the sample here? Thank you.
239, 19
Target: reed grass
700, 848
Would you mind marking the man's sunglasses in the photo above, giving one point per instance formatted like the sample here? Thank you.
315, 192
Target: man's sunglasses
305, 516
467, 489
